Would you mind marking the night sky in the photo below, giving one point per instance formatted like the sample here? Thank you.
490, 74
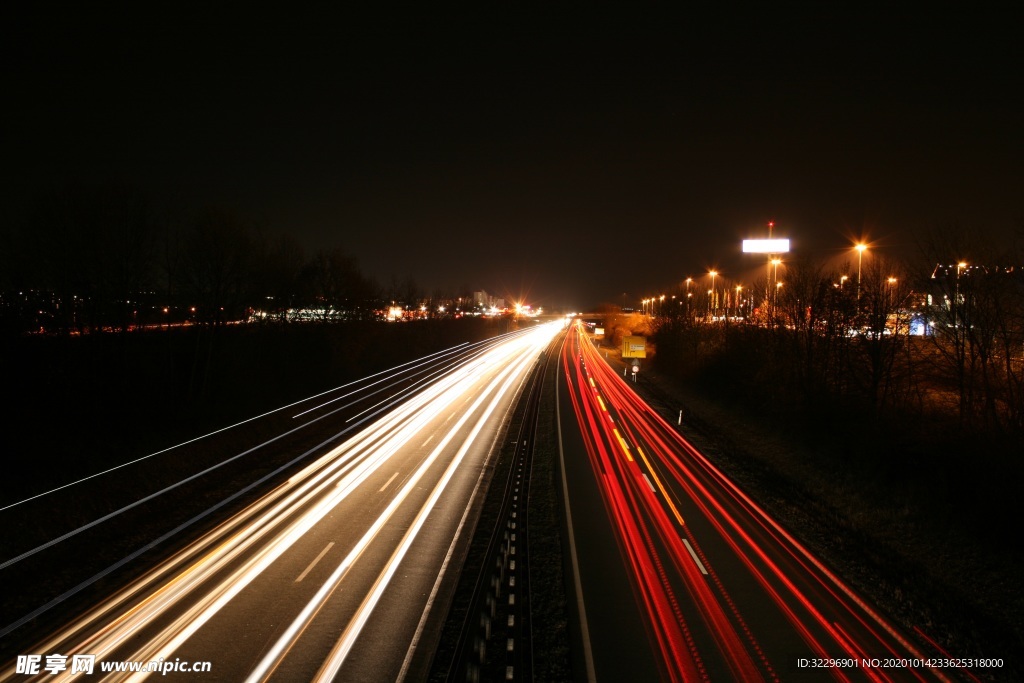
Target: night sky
567, 157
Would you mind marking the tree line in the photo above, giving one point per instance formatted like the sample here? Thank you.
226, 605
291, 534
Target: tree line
94, 258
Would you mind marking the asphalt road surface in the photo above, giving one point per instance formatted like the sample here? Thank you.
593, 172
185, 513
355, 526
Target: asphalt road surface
682, 576
334, 574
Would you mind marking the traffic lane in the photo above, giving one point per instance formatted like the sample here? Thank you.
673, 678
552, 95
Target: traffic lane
724, 608
736, 591
829, 618
619, 641
479, 371
383, 649
311, 649
730, 595
258, 444
676, 602
756, 562
229, 537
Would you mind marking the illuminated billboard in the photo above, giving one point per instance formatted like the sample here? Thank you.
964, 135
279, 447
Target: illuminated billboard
766, 246
634, 347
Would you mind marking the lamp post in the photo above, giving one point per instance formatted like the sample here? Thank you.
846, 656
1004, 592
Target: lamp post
712, 304
860, 256
956, 296
775, 278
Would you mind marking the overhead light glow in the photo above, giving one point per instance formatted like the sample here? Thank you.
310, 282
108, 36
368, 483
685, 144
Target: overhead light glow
774, 246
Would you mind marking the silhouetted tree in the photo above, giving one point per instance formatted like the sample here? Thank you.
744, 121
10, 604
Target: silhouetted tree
215, 265
977, 309
278, 265
883, 327
803, 302
95, 248
337, 283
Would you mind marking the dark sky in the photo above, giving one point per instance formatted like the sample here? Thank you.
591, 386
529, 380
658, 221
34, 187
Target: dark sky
569, 157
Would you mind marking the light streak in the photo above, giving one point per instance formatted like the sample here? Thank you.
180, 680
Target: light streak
344, 645
207, 435
244, 546
808, 594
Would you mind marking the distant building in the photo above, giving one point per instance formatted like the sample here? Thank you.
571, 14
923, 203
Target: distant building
481, 299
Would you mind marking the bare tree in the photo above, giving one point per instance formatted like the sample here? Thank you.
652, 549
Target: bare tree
337, 283
95, 248
976, 310
215, 264
883, 332
803, 303
277, 272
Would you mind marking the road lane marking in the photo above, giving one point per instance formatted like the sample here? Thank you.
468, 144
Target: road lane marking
388, 482
649, 484
700, 565
427, 442
315, 560
622, 442
661, 486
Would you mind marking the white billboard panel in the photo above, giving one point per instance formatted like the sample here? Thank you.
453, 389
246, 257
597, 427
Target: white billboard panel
780, 246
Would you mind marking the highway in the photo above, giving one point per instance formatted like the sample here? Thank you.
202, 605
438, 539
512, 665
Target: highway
717, 588
342, 571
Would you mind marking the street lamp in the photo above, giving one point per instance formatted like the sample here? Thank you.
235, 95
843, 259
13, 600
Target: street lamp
956, 297
860, 256
714, 308
739, 302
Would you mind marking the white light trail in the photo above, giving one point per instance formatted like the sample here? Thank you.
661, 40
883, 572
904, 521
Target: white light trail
298, 625
247, 544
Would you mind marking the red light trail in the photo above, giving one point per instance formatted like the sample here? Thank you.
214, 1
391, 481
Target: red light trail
724, 589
